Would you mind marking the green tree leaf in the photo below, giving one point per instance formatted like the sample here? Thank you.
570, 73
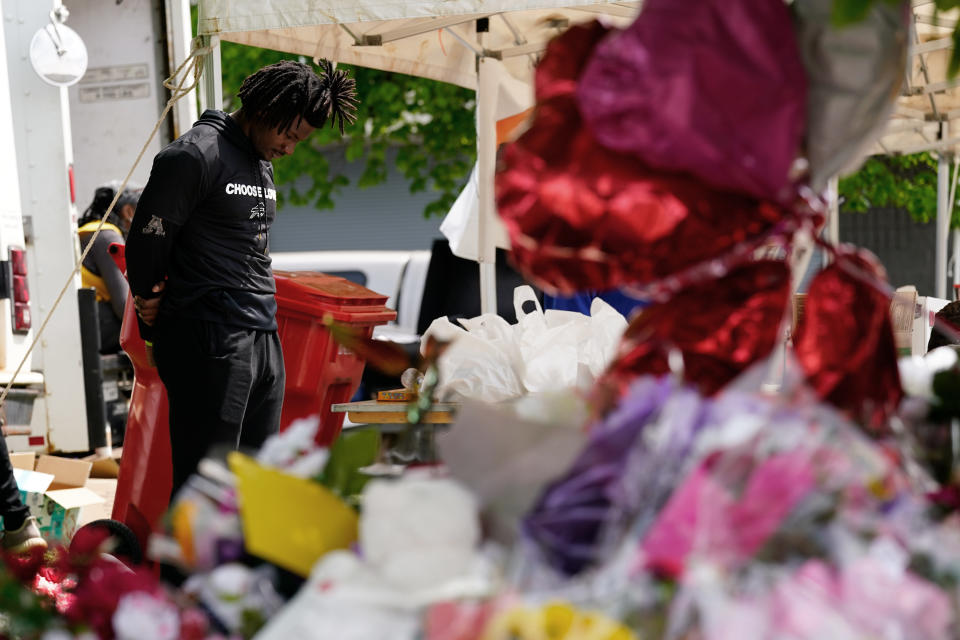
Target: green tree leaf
903, 182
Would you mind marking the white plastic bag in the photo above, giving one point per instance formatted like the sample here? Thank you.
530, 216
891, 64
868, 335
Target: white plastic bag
478, 364
492, 361
561, 349
606, 328
547, 343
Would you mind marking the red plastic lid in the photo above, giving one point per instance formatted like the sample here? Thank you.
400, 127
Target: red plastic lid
322, 293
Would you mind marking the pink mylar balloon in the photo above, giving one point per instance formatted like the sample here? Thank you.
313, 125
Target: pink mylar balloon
715, 88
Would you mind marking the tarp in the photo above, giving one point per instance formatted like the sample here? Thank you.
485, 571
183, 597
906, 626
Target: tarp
929, 97
417, 37
344, 30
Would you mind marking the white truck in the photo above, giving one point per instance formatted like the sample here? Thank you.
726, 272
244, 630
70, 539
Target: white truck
58, 145
16, 326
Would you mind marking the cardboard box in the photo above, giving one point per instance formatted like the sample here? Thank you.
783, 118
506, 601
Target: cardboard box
396, 395
53, 488
903, 311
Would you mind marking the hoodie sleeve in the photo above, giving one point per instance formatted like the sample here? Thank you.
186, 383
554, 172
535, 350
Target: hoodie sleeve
175, 187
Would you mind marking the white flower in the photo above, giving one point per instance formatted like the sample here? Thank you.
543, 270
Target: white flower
282, 449
230, 581
309, 465
916, 372
141, 616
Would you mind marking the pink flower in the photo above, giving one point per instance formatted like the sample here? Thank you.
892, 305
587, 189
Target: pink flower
706, 516
868, 598
193, 625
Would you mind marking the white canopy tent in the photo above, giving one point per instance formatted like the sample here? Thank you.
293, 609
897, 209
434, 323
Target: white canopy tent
927, 118
484, 44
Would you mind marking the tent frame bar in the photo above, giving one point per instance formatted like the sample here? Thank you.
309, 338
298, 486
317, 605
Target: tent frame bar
934, 87
930, 46
530, 48
464, 42
945, 23
938, 145
618, 10
417, 28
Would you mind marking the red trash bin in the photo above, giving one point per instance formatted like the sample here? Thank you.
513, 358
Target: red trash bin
146, 477
319, 371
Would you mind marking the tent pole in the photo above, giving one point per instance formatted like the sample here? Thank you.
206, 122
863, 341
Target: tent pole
178, 36
943, 219
833, 227
486, 159
955, 239
212, 81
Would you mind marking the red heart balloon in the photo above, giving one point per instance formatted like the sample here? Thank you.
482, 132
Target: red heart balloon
844, 340
720, 327
583, 217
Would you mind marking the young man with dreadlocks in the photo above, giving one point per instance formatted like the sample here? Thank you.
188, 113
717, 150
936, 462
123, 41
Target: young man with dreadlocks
198, 260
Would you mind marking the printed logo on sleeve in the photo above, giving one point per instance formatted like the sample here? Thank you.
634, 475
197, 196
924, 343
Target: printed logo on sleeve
238, 189
154, 228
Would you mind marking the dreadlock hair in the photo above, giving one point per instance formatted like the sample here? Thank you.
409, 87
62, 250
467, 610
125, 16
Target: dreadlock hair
102, 198
279, 94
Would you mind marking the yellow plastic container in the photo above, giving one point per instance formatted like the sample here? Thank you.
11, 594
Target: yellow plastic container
287, 520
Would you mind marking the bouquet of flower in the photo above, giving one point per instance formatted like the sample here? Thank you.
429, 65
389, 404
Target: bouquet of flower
743, 516
83, 592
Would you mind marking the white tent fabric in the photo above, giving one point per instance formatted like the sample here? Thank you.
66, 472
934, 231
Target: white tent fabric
418, 37
429, 38
928, 98
461, 226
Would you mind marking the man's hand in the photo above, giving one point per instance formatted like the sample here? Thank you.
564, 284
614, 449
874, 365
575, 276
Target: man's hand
147, 308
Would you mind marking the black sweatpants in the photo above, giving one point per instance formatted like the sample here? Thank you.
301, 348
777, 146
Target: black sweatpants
12, 509
224, 384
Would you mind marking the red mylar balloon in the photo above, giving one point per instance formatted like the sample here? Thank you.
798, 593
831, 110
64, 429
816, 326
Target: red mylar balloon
844, 340
720, 327
583, 217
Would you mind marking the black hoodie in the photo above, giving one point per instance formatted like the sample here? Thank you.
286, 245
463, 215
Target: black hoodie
202, 224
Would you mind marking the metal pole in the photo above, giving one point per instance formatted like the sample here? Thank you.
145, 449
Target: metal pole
833, 195
486, 158
943, 220
178, 48
212, 97
955, 234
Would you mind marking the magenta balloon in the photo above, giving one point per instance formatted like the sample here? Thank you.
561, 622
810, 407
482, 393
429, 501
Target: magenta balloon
715, 88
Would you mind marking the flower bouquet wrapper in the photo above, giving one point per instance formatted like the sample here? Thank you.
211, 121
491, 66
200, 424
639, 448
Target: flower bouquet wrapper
287, 520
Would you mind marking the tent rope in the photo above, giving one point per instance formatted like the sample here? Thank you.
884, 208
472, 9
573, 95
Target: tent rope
177, 84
